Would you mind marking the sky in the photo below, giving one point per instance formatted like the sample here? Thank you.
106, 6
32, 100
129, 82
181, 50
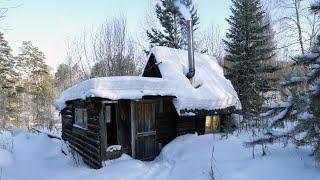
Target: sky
49, 23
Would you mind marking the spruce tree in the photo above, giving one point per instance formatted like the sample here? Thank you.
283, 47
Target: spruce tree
297, 118
173, 27
249, 48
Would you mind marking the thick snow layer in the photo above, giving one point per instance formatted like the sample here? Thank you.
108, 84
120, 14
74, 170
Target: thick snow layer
187, 157
5, 158
211, 90
292, 81
115, 88
305, 116
279, 116
214, 91
284, 104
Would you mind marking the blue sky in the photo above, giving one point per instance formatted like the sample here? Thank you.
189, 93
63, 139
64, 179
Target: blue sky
48, 23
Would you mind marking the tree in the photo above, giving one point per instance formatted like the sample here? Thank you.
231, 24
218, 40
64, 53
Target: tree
297, 117
297, 27
38, 84
172, 24
211, 43
109, 51
113, 50
249, 46
63, 77
8, 79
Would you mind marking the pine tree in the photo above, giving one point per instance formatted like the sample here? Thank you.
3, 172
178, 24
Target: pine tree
297, 118
172, 23
63, 77
38, 83
249, 48
7, 84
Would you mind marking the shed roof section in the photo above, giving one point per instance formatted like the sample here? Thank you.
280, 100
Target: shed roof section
115, 88
211, 90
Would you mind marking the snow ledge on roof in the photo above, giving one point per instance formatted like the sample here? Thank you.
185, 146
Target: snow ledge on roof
115, 88
214, 91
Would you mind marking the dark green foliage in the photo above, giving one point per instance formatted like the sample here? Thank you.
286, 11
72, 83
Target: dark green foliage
62, 73
63, 77
227, 124
249, 48
172, 23
8, 79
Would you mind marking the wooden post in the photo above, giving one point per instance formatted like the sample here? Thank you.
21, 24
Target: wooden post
133, 129
103, 133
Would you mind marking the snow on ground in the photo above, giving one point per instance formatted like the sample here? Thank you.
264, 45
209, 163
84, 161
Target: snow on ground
35, 156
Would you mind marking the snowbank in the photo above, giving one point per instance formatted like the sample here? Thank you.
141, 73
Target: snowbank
5, 158
35, 156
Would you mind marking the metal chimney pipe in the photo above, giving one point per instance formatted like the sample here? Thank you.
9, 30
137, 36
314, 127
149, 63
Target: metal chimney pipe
192, 70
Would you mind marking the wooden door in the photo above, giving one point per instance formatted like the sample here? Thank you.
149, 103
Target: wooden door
144, 130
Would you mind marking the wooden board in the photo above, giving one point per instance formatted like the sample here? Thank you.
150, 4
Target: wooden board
144, 132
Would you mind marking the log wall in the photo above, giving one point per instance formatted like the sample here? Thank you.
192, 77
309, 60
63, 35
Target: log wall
190, 125
87, 142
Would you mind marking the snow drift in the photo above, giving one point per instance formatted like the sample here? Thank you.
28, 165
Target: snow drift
35, 156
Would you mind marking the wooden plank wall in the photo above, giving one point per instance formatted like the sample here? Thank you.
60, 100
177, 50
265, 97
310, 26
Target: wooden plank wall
145, 145
85, 142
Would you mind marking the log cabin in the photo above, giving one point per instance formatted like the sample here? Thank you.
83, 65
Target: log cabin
178, 92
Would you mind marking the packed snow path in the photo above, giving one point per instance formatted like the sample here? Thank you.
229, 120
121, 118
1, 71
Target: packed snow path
187, 157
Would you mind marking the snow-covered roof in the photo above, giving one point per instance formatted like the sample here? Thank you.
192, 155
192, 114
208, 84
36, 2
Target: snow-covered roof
213, 90
115, 88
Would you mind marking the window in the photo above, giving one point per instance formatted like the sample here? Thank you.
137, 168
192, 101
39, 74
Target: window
160, 109
107, 114
81, 118
212, 124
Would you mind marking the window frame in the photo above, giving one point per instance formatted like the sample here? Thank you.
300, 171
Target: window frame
109, 119
80, 115
213, 128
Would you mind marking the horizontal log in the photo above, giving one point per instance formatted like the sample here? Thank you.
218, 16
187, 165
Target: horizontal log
93, 134
92, 163
94, 127
80, 141
94, 141
67, 116
49, 135
85, 155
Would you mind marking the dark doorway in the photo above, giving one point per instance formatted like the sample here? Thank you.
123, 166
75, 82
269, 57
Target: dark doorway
110, 117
